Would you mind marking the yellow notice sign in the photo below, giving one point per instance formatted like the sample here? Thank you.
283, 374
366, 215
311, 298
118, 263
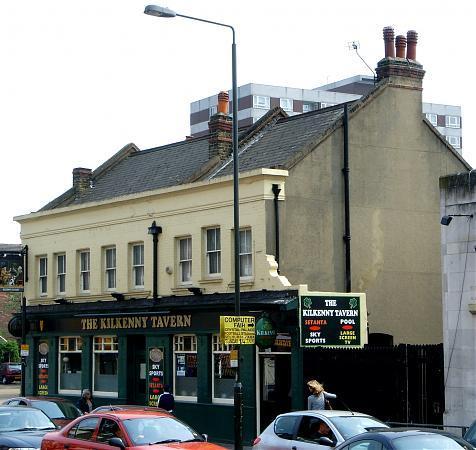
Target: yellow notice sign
237, 330
24, 350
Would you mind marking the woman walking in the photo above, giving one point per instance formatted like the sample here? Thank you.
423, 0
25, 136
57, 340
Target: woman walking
318, 396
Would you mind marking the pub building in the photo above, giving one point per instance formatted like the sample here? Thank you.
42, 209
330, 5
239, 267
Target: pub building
127, 350
116, 310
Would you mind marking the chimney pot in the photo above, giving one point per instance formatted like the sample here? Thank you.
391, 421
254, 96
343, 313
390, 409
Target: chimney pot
412, 39
400, 44
389, 38
220, 128
223, 102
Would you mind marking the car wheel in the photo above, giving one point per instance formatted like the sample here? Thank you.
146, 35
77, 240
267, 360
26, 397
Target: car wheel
4, 380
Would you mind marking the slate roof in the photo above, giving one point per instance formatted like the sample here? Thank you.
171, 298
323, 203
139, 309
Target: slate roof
270, 143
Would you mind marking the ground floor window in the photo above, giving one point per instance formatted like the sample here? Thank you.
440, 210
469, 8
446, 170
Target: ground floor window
223, 373
105, 366
70, 350
185, 367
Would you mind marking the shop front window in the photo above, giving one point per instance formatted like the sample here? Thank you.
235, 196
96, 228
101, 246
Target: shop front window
105, 365
223, 373
69, 364
185, 367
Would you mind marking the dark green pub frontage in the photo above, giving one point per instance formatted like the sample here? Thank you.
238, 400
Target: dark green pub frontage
125, 350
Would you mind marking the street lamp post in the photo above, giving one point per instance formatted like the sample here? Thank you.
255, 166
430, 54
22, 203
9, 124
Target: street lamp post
159, 11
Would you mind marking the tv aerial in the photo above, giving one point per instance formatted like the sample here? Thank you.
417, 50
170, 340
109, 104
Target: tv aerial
354, 46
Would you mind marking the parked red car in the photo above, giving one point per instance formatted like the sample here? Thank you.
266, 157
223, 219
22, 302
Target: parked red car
59, 410
10, 372
128, 428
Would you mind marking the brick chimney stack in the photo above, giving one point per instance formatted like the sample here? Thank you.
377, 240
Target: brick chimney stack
81, 180
220, 126
403, 69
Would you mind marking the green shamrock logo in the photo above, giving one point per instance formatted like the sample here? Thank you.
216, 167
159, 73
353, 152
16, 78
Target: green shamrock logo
307, 302
353, 302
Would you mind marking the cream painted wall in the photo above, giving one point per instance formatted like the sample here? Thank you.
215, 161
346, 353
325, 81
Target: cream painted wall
182, 211
395, 164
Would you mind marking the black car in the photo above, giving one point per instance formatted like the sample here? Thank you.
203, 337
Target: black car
23, 427
405, 439
10, 372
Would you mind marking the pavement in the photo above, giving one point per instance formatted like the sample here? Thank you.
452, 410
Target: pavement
9, 390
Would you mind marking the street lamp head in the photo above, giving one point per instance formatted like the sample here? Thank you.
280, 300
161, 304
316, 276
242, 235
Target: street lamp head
159, 11
154, 229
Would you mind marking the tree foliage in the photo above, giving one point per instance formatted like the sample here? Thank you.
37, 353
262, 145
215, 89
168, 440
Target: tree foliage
9, 351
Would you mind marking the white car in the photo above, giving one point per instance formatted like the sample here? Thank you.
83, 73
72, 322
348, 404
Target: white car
314, 430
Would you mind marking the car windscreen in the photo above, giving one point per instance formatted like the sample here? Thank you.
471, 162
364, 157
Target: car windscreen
349, 426
60, 410
426, 442
155, 430
24, 419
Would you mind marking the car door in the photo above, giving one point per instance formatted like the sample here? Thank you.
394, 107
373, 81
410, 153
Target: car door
82, 435
280, 435
310, 429
109, 428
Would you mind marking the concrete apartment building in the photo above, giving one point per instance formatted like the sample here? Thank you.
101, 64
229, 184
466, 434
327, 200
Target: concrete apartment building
254, 100
102, 309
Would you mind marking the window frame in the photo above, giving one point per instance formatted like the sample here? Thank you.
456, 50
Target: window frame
429, 117
75, 428
217, 349
261, 101
137, 265
181, 263
114, 350
43, 276
60, 276
212, 110
177, 350
250, 253
62, 350
449, 121
82, 271
286, 104
457, 144
217, 251
110, 269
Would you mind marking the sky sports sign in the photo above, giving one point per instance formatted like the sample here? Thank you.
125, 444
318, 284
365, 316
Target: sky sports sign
332, 319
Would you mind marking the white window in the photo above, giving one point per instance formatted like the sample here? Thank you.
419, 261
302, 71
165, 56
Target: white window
326, 104
185, 260
212, 110
43, 275
70, 364
223, 373
286, 104
246, 256
110, 267
261, 101
185, 367
453, 122
84, 270
213, 252
432, 118
307, 107
138, 266
454, 141
105, 366
61, 274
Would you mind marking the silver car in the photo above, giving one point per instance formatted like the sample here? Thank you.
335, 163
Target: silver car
314, 430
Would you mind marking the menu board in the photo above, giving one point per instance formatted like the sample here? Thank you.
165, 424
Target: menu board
333, 319
43, 368
155, 375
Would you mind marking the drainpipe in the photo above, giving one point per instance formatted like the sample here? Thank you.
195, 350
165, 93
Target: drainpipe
345, 171
276, 191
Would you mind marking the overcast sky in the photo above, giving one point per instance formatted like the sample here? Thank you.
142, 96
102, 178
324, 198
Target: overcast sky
81, 79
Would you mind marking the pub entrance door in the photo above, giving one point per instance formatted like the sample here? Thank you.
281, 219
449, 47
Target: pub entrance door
274, 388
136, 370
